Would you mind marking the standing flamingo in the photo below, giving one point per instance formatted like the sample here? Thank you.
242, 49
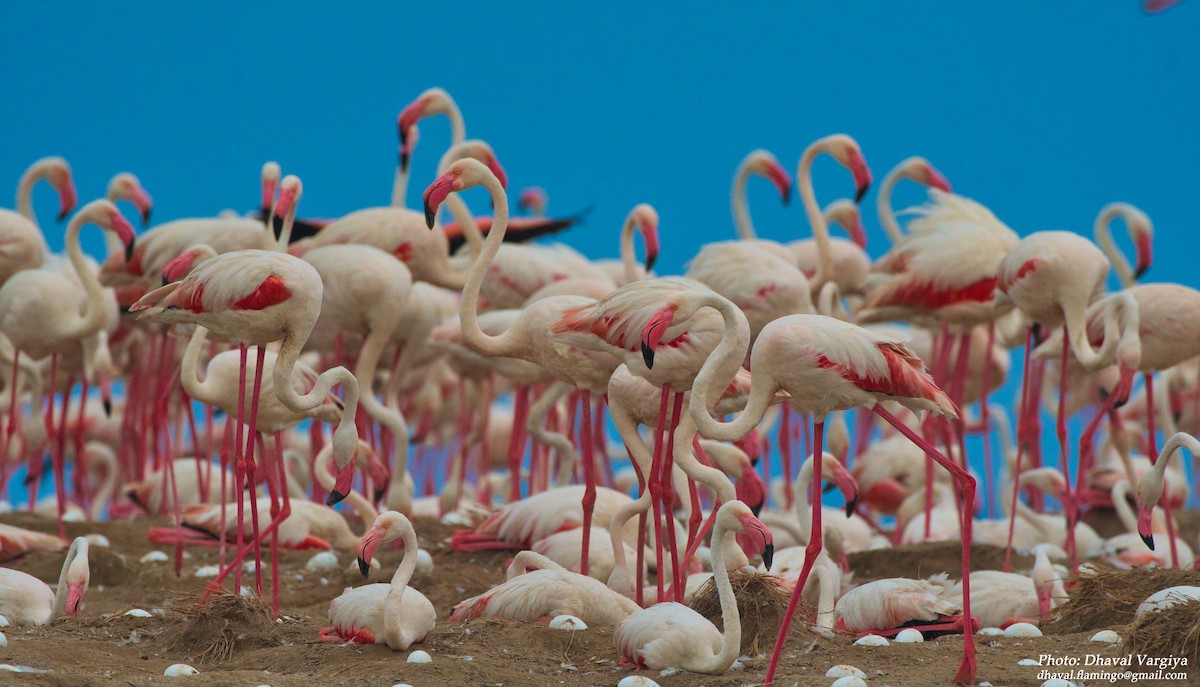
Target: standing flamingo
1140, 229
24, 247
917, 169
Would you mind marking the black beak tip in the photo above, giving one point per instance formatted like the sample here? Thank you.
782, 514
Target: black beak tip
129, 251
787, 197
768, 555
1140, 271
145, 219
828, 488
757, 508
648, 356
1149, 541
335, 497
405, 159
430, 214
107, 407
62, 215
379, 495
851, 506
363, 567
860, 193
650, 260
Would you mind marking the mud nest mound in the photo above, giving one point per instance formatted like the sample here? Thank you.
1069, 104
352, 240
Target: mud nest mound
1169, 633
1111, 597
214, 628
761, 601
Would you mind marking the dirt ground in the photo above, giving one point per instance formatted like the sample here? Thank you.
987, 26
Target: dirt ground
102, 647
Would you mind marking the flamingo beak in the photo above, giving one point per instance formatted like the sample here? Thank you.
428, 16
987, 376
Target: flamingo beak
144, 204
501, 176
848, 486
106, 395
366, 549
752, 525
650, 239
1145, 254
935, 179
862, 174
67, 198
858, 233
75, 597
268, 194
1043, 597
287, 199
342, 485
435, 195
781, 180
125, 232
653, 333
1144, 528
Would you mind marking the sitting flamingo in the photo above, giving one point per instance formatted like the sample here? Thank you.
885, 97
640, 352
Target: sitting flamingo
1004, 598
394, 614
671, 635
26, 600
520, 523
885, 607
18, 541
549, 591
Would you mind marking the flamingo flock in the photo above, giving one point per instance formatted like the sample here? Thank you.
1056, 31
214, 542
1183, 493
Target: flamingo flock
428, 364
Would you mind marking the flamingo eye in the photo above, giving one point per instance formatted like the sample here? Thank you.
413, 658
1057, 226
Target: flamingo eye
674, 306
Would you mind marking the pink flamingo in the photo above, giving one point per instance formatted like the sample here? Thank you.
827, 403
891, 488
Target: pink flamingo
916, 169
670, 634
125, 186
826, 365
26, 600
1004, 598
24, 247
18, 541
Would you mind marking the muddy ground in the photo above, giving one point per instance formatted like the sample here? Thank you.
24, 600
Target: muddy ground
102, 647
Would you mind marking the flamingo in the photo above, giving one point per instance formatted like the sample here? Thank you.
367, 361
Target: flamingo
1003, 598
672, 635
26, 600
18, 541
886, 606
916, 169
1152, 485
22, 243
1141, 231
394, 614
43, 313
153, 493
549, 591
126, 186
433, 101
520, 523
1125, 551
826, 365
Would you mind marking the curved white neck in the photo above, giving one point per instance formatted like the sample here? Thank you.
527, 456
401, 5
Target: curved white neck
393, 617
1103, 234
468, 306
718, 371
737, 201
883, 204
628, 255
812, 210
25, 191
98, 452
731, 638
92, 317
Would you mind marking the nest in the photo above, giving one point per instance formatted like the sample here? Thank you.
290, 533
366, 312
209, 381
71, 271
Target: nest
1111, 597
215, 627
1169, 633
761, 601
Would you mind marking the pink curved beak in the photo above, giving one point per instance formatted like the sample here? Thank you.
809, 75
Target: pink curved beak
408, 117
1145, 254
650, 239
287, 199
366, 549
74, 597
435, 195
1144, 527
67, 197
782, 181
935, 179
268, 193
179, 267
121, 227
848, 486
756, 539
341, 485
858, 234
653, 332
501, 176
862, 174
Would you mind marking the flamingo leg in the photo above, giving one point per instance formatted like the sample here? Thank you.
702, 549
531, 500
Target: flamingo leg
239, 467
516, 441
985, 418
251, 437
60, 458
654, 484
668, 490
785, 454
589, 478
966, 495
1060, 425
1021, 417
811, 552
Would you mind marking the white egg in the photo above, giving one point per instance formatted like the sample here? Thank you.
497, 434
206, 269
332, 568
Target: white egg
1022, 630
154, 557
180, 669
637, 681
3, 640
208, 571
419, 657
991, 632
3, 621
138, 613
97, 540
1106, 636
849, 681
844, 671
325, 560
871, 640
424, 562
1028, 662
909, 636
567, 622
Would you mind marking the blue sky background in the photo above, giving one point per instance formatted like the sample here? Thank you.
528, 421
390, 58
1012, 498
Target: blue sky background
1043, 111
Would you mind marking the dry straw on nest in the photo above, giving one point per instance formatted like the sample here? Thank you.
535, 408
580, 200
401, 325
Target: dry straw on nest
214, 627
1169, 633
761, 603
1111, 597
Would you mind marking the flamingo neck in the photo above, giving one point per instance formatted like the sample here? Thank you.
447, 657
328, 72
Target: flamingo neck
189, 375
524, 559
79, 547
92, 317
1120, 499
883, 203
1120, 315
737, 201
393, 616
719, 370
812, 210
628, 257
25, 191
803, 499
400, 187
99, 452
345, 436
285, 233
685, 458
731, 638
1103, 235
472, 335
388, 416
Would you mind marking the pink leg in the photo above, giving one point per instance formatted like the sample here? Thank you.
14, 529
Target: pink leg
1060, 426
239, 463
966, 495
589, 478
811, 552
785, 454
654, 483
251, 468
668, 490
985, 418
1021, 418
60, 459
516, 443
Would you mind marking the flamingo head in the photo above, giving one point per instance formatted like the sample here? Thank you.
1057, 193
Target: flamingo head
844, 480
345, 454
645, 218
432, 102
139, 494
111, 219
58, 173
754, 535
766, 164
929, 175
270, 180
845, 214
126, 186
478, 150
846, 151
78, 575
655, 330
187, 261
388, 527
533, 200
290, 190
459, 176
1127, 372
1150, 492
1143, 240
